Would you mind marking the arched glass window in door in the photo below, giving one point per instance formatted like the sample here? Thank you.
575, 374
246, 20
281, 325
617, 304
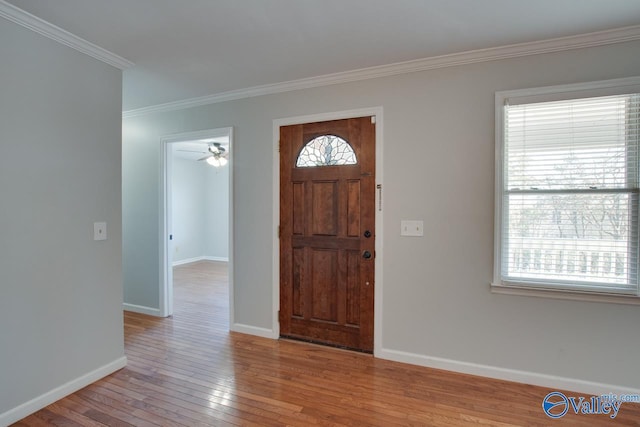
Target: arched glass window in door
326, 150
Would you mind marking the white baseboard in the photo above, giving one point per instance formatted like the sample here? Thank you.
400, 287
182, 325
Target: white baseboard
199, 258
142, 309
187, 261
216, 258
253, 330
28, 408
542, 380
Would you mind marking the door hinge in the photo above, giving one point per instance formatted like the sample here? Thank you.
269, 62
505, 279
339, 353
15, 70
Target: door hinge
373, 120
279, 231
379, 188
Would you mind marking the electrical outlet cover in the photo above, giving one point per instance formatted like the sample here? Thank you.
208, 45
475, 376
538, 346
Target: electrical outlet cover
412, 228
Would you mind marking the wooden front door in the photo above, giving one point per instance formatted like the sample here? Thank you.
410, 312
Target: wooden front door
327, 232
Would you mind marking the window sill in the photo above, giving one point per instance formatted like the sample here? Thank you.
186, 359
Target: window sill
564, 294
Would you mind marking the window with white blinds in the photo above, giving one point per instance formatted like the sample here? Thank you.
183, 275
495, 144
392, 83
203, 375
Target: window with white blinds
567, 196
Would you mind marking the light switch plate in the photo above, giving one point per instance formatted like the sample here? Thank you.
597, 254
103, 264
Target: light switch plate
412, 228
99, 231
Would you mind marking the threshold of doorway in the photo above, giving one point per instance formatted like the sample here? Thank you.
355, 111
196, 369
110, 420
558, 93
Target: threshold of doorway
324, 344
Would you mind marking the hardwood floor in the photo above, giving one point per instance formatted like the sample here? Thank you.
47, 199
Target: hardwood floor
190, 370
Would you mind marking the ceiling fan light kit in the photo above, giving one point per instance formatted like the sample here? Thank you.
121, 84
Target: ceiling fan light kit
216, 161
217, 158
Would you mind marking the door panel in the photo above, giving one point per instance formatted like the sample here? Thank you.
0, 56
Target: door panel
298, 208
326, 285
353, 208
297, 305
353, 288
324, 209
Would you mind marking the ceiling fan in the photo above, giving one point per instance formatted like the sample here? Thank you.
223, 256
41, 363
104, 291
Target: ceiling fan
216, 154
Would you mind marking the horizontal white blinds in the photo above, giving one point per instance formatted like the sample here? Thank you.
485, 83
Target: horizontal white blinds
570, 183
575, 144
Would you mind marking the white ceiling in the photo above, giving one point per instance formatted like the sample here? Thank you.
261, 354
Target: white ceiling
193, 48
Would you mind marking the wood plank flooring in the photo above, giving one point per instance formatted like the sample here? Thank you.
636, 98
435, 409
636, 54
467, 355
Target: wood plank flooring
189, 370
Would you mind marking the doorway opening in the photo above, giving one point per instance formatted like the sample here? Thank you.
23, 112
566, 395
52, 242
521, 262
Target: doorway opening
196, 209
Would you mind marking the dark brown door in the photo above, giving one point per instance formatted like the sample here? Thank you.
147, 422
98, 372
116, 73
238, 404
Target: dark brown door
327, 232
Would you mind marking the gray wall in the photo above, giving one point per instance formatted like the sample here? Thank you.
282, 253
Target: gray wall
216, 226
60, 171
200, 210
188, 192
439, 167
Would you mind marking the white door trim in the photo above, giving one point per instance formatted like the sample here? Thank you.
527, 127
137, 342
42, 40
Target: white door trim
166, 268
277, 123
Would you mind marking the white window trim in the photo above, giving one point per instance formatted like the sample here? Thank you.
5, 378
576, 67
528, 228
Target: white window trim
548, 93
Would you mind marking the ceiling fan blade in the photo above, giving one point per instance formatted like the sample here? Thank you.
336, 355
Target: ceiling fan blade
205, 157
193, 151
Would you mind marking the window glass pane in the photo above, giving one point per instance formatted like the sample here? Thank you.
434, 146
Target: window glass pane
326, 150
573, 144
570, 237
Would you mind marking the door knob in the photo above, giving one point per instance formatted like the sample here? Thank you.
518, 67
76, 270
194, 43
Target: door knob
366, 254
367, 234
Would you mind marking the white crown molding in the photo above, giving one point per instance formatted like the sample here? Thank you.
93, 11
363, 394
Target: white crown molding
600, 38
42, 27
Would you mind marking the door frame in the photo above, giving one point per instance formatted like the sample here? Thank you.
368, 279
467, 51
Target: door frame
337, 115
165, 208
